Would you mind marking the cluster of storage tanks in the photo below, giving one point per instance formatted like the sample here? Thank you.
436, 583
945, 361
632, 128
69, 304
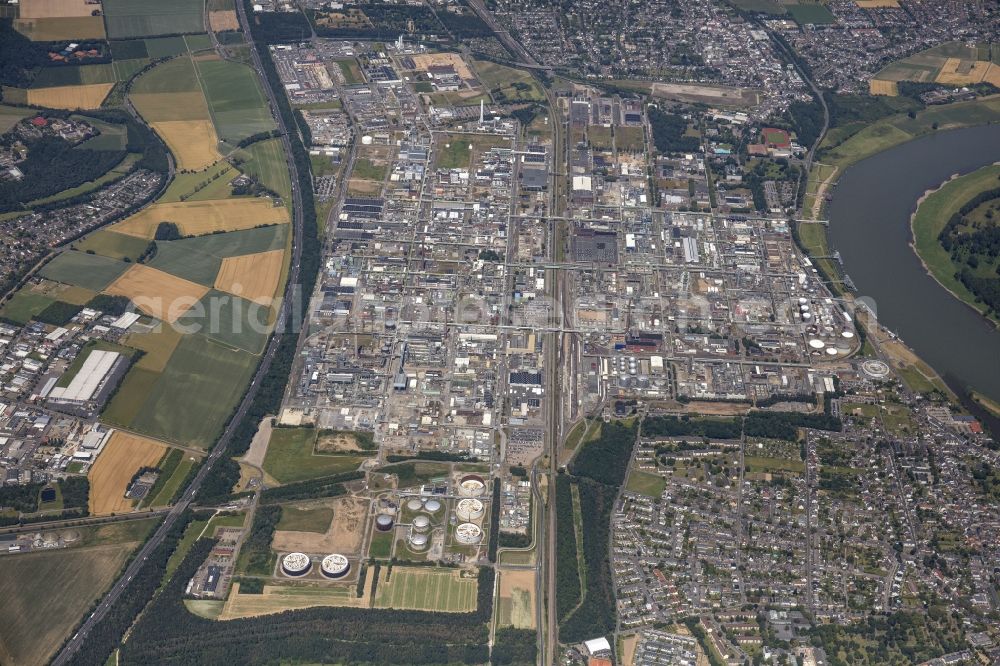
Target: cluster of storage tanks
420, 526
826, 334
332, 566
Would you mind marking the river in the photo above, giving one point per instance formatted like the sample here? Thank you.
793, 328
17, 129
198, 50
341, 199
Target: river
870, 226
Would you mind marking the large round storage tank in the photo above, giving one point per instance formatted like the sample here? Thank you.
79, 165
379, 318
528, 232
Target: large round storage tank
295, 564
432, 506
468, 533
421, 523
418, 541
383, 522
335, 565
414, 504
471, 486
469, 509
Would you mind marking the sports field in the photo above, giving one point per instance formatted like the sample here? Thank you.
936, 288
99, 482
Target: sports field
109, 477
427, 589
84, 270
291, 457
255, 277
516, 602
46, 593
195, 218
70, 97
191, 399
156, 293
235, 99
142, 18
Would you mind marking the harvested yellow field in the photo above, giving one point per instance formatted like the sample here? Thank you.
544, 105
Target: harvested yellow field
58, 29
280, 598
56, 8
960, 72
87, 96
120, 459
880, 87
992, 75
156, 107
517, 599
875, 4
159, 346
224, 20
194, 143
204, 217
254, 277
426, 60
158, 294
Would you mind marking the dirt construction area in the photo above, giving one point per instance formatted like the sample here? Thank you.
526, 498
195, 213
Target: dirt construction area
121, 458
87, 96
339, 442
156, 293
254, 277
427, 60
56, 8
197, 218
344, 535
517, 599
193, 142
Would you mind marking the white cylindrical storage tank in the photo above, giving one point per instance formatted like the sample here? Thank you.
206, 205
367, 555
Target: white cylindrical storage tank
468, 533
847, 335
383, 522
295, 564
831, 351
469, 509
816, 344
432, 506
366, 140
335, 565
421, 523
414, 504
418, 541
806, 316
471, 486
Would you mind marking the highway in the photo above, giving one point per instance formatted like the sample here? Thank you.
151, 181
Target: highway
219, 449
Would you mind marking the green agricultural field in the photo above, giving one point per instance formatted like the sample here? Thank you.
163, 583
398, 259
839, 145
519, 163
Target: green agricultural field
381, 545
427, 589
166, 47
198, 42
112, 136
186, 262
209, 184
177, 75
508, 84
24, 305
266, 163
806, 13
191, 534
235, 243
173, 482
144, 18
931, 217
644, 483
72, 75
765, 6
191, 399
305, 519
129, 49
230, 321
91, 271
112, 244
126, 69
291, 457
9, 116
46, 593
235, 99
130, 397
411, 474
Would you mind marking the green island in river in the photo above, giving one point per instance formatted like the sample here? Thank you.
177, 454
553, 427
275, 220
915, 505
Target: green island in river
932, 216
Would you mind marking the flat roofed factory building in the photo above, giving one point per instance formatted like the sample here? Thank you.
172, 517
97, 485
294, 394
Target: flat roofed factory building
91, 386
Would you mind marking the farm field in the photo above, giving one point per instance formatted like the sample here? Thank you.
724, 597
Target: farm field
428, 589
24, 305
121, 457
516, 603
211, 183
158, 345
88, 96
172, 484
143, 18
805, 13
59, 28
156, 293
111, 244
194, 218
255, 277
192, 142
305, 518
186, 262
233, 322
951, 63
290, 457
46, 593
54, 8
279, 598
266, 163
235, 100
10, 115
235, 243
91, 271
191, 399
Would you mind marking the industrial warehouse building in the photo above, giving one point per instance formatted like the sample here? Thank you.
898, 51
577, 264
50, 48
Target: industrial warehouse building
92, 385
